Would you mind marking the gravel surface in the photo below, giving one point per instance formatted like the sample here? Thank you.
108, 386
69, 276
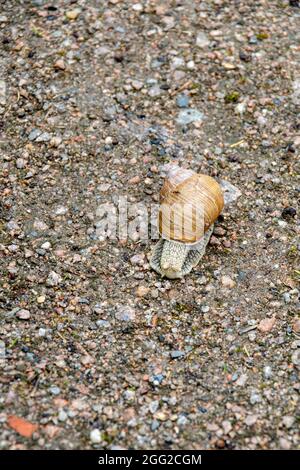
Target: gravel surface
96, 350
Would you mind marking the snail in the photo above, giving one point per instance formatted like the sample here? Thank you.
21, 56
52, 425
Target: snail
190, 203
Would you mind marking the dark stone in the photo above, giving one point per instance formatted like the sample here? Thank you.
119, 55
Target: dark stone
245, 57
290, 148
119, 57
155, 141
202, 409
288, 212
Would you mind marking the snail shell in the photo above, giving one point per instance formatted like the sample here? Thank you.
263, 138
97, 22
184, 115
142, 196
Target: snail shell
189, 204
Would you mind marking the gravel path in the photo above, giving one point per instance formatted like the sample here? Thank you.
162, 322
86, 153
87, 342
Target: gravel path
97, 351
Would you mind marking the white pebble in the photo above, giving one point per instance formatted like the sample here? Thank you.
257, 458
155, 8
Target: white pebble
62, 415
268, 372
95, 436
177, 62
20, 163
53, 279
205, 309
46, 246
61, 210
282, 223
190, 65
202, 40
23, 314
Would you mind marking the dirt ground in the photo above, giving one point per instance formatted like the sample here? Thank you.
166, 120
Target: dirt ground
96, 350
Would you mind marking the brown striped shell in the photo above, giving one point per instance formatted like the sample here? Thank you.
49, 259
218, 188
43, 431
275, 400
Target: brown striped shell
189, 204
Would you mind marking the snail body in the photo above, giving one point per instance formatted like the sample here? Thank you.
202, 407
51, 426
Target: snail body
190, 203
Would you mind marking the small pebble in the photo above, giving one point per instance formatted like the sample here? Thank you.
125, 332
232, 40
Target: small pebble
129, 395
59, 64
288, 212
219, 231
205, 309
103, 324
188, 116
23, 314
176, 354
158, 379
125, 313
227, 426
134, 180
142, 291
42, 332
268, 372
20, 163
288, 421
153, 406
95, 436
190, 65
296, 325
54, 390
202, 280
137, 85
53, 279
296, 358
182, 101
62, 416
61, 210
182, 420
46, 246
202, 40
220, 444
251, 420
255, 398
40, 225
73, 14
34, 134
43, 137
227, 282
252, 336
138, 259
155, 425
177, 62
155, 91
242, 380
266, 324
